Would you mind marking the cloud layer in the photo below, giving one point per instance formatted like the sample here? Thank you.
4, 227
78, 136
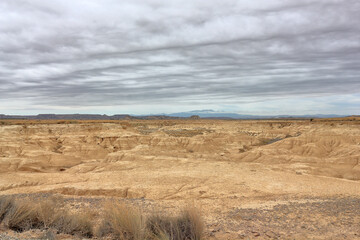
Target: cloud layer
114, 56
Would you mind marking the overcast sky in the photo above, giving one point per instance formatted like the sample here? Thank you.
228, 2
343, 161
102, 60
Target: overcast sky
154, 56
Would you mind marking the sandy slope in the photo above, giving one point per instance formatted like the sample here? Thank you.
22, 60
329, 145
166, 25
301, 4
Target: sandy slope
218, 165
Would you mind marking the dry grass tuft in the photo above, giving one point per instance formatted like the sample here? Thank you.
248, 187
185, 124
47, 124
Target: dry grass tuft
47, 212
51, 214
121, 222
188, 225
21, 216
74, 224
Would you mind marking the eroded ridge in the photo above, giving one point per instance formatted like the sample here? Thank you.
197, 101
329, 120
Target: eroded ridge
220, 165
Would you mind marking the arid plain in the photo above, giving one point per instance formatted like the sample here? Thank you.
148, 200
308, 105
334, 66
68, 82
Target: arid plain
251, 179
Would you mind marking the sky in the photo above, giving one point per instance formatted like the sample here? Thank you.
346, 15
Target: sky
263, 57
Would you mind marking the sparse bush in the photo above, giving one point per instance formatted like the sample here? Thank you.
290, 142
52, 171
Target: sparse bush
74, 224
51, 215
46, 211
122, 222
21, 216
119, 221
188, 225
125, 223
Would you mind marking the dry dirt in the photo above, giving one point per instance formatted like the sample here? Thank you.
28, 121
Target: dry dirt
273, 179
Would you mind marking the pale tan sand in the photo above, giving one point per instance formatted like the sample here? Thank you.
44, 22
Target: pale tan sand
218, 165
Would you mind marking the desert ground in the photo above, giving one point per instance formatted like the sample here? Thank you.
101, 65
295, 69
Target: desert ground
250, 179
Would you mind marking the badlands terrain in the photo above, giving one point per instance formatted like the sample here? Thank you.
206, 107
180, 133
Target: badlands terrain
264, 179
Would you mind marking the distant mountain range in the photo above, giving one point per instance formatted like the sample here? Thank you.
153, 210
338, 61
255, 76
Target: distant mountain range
210, 114
216, 114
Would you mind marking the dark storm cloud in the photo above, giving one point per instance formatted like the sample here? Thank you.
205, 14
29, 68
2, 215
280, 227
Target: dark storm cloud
101, 53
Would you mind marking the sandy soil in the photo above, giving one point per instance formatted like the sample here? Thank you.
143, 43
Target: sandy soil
251, 179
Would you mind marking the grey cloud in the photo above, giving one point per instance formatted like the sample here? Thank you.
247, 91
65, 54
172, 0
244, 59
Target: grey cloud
94, 53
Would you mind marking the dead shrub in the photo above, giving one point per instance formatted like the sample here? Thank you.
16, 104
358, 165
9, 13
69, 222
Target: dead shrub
22, 216
74, 224
47, 212
52, 214
188, 225
121, 222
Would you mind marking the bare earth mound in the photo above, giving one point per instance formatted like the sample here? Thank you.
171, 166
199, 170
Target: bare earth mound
251, 179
